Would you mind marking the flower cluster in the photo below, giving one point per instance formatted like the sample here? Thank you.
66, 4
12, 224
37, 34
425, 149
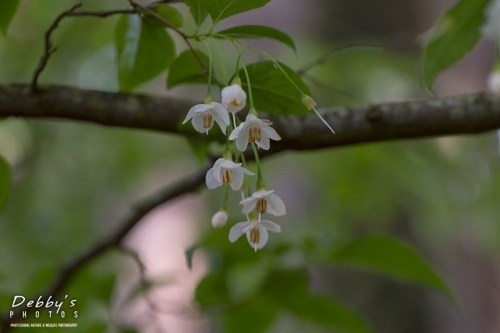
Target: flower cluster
232, 175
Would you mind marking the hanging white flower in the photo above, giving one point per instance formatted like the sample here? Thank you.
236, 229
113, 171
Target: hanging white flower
257, 232
204, 115
494, 83
254, 130
226, 172
234, 98
264, 202
219, 219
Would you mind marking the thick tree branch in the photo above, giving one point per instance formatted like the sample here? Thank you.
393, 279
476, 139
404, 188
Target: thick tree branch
468, 114
66, 274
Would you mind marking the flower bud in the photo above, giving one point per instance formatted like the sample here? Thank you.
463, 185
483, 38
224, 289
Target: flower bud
219, 219
308, 102
234, 98
494, 83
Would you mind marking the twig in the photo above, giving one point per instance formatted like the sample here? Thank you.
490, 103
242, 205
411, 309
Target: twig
188, 184
104, 13
49, 49
424, 118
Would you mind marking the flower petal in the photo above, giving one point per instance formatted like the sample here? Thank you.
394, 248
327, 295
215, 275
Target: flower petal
195, 110
275, 205
262, 194
248, 205
262, 239
238, 178
220, 111
198, 123
264, 141
218, 169
236, 231
221, 124
236, 131
211, 181
270, 225
242, 139
271, 132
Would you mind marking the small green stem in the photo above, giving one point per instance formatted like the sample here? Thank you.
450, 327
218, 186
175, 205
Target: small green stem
250, 96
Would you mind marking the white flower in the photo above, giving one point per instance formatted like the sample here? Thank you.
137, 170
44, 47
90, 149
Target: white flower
494, 83
254, 130
219, 219
226, 172
204, 116
256, 232
264, 202
234, 98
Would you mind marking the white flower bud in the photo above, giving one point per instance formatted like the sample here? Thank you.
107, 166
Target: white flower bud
494, 83
219, 219
234, 98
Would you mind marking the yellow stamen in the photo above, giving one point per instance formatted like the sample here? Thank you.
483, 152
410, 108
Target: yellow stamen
227, 176
261, 206
254, 236
254, 134
235, 103
208, 120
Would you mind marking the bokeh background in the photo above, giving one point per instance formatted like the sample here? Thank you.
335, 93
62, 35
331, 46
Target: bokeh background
73, 183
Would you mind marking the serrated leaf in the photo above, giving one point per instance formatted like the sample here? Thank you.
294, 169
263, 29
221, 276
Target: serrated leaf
7, 11
253, 317
272, 92
144, 50
391, 257
170, 14
187, 69
259, 31
197, 10
456, 34
4, 181
221, 9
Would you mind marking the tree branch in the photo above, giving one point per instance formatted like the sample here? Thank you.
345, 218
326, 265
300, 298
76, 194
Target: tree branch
468, 114
66, 274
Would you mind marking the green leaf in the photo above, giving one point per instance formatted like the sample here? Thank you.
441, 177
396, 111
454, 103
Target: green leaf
187, 69
273, 92
254, 317
328, 313
290, 289
144, 50
4, 181
170, 14
221, 9
7, 11
259, 31
245, 279
212, 290
199, 149
391, 257
197, 10
455, 35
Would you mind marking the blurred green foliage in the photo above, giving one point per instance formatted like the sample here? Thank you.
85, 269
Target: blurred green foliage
71, 181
